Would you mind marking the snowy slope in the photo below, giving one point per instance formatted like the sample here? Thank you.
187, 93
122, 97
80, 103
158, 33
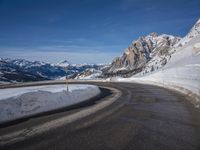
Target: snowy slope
21, 102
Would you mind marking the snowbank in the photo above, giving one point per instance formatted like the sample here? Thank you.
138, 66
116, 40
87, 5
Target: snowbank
21, 102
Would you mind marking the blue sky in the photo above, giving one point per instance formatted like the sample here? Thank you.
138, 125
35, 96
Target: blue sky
91, 31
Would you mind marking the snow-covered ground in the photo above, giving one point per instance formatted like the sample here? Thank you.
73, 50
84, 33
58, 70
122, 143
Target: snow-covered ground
20, 102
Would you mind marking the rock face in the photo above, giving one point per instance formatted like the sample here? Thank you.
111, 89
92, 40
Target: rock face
141, 51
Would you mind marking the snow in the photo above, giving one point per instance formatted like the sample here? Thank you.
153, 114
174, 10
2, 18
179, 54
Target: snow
193, 65
197, 46
20, 102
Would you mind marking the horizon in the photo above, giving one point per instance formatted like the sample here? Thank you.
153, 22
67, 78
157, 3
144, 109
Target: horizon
99, 31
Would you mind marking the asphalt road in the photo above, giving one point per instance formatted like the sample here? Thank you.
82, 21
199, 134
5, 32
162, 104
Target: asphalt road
144, 117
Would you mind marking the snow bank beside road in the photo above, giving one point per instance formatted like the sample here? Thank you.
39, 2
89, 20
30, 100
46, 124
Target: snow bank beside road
17, 103
13, 92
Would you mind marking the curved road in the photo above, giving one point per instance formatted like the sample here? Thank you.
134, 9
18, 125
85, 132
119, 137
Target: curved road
144, 117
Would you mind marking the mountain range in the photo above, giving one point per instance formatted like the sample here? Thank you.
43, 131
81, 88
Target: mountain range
145, 55
20, 70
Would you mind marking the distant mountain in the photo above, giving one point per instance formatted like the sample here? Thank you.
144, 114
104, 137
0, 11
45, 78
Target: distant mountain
89, 74
63, 63
11, 72
92, 73
20, 70
141, 51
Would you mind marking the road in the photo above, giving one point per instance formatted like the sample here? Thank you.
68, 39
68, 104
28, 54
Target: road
144, 117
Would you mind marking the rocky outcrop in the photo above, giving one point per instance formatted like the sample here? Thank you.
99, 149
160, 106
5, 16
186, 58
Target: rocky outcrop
141, 51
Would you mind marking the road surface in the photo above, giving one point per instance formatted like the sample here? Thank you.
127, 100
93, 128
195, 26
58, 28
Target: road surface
144, 117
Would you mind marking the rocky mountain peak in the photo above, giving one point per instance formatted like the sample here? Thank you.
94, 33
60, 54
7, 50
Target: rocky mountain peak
154, 34
63, 63
140, 51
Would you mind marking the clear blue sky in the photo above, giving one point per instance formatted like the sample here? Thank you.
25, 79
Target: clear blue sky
91, 31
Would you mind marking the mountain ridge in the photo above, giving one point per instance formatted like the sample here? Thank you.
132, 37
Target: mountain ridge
21, 70
143, 56
140, 52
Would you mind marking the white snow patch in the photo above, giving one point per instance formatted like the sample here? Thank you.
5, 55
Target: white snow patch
197, 45
193, 65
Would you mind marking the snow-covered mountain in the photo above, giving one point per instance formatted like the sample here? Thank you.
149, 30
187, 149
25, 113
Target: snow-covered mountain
89, 74
20, 70
93, 73
15, 71
141, 51
63, 63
